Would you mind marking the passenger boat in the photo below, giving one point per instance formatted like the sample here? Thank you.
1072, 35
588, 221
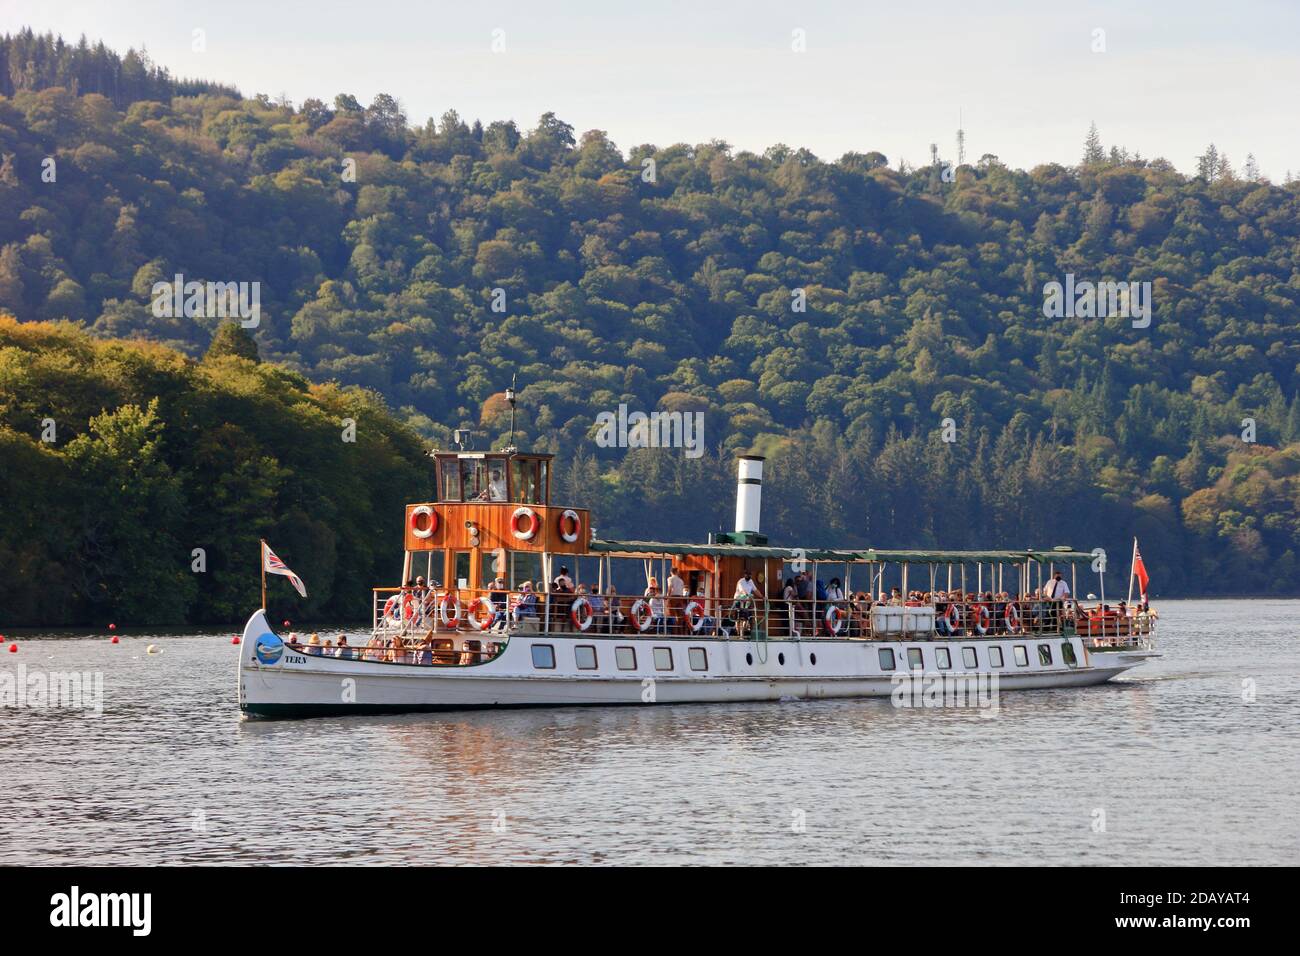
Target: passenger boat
476, 620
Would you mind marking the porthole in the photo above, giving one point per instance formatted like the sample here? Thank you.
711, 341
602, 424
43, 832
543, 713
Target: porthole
749, 659
813, 659
780, 658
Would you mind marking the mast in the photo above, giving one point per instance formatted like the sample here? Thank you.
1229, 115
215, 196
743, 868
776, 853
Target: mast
261, 559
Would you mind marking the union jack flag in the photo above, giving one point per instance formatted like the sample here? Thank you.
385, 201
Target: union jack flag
271, 562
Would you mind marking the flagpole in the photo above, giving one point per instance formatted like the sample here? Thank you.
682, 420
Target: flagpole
261, 559
1131, 568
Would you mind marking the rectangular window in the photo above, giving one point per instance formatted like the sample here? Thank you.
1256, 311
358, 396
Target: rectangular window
496, 475
1022, 656
914, 658
525, 566
663, 658
450, 479
1045, 654
584, 655
544, 657
942, 658
461, 577
1067, 652
886, 658
995, 656
699, 659
969, 657
625, 658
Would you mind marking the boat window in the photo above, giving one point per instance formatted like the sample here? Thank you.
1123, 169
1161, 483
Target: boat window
914, 658
699, 659
625, 658
544, 657
663, 658
969, 657
524, 566
1045, 654
886, 658
995, 656
584, 655
450, 480
942, 658
461, 576
496, 476
1067, 652
1022, 656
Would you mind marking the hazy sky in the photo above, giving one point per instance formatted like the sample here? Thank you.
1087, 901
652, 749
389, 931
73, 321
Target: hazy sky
889, 76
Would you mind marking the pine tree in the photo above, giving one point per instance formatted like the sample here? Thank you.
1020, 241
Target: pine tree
1251, 172
1093, 154
1207, 164
232, 339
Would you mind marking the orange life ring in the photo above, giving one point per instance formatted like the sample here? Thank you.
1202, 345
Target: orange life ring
449, 610
472, 615
423, 521
694, 614
953, 617
640, 614
1013, 618
580, 621
982, 618
570, 525
834, 619
533, 524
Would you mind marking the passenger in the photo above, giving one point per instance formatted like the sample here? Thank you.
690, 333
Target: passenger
895, 597
425, 654
835, 593
676, 593
860, 615
397, 652
617, 620
599, 611
342, 649
658, 609
790, 596
526, 609
561, 600
420, 595
313, 645
374, 649
498, 595
707, 621
742, 603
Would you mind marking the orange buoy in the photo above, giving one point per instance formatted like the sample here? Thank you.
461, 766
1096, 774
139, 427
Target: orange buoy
234, 639
112, 627
114, 639
13, 648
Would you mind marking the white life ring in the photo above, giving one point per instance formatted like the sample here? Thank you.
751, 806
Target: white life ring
390, 608
449, 610
953, 617
694, 614
640, 614
533, 524
1013, 618
982, 618
423, 511
471, 614
581, 604
834, 619
570, 516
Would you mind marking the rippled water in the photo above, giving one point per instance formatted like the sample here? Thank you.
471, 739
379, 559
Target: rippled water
1185, 770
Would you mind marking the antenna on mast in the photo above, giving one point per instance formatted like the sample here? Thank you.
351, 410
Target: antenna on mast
961, 141
510, 397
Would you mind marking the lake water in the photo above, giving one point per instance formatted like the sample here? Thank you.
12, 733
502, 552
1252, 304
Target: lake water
1174, 760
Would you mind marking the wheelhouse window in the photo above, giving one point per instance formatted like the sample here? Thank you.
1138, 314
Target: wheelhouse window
969, 657
625, 658
526, 479
1045, 654
886, 658
914, 658
584, 655
995, 656
663, 658
1022, 656
942, 658
450, 480
699, 658
544, 657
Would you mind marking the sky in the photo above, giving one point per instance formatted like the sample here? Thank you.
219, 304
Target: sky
1023, 78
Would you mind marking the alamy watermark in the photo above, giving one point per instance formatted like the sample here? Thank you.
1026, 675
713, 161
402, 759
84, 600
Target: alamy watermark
978, 691
224, 300
626, 429
42, 690
1096, 300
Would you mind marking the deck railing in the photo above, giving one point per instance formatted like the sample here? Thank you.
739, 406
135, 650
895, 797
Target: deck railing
412, 613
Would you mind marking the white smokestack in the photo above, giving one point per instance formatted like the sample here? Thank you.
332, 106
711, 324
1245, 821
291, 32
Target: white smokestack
749, 492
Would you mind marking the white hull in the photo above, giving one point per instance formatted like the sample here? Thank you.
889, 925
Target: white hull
287, 683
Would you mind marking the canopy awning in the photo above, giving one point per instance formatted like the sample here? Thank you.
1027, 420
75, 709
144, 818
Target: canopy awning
646, 549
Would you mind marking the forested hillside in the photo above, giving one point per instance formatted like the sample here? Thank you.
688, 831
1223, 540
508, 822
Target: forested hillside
432, 262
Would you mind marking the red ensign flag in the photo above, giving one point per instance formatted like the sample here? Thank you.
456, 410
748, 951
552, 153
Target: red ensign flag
1140, 570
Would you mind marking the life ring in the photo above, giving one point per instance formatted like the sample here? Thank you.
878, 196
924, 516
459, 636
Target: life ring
423, 529
1013, 618
982, 618
449, 610
391, 606
953, 617
834, 619
580, 621
694, 614
472, 616
640, 614
533, 524
569, 520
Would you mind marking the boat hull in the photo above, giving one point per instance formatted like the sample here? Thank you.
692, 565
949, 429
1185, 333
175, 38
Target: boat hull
275, 681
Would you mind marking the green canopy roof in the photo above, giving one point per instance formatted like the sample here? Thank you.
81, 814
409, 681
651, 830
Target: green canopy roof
655, 548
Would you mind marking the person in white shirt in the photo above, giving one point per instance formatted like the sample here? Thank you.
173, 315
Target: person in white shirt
1056, 589
746, 587
676, 595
